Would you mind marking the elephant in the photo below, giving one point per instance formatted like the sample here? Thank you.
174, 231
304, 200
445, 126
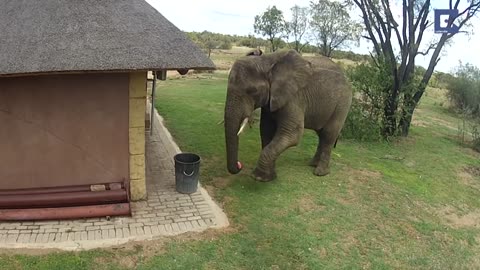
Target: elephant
294, 94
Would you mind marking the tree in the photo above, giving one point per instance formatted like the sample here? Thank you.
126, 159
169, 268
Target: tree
464, 89
270, 24
383, 31
331, 25
209, 41
298, 25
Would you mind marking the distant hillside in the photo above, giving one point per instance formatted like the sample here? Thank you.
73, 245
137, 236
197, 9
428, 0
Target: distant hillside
213, 42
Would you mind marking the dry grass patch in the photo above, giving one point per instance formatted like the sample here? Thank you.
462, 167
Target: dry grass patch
452, 217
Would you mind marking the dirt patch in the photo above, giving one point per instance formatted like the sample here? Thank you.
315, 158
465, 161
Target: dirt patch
357, 178
363, 175
473, 170
222, 182
420, 123
443, 123
469, 176
307, 204
455, 219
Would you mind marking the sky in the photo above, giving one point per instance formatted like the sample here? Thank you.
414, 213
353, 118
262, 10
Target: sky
237, 17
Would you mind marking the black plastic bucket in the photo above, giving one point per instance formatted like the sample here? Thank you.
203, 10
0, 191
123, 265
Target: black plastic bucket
187, 168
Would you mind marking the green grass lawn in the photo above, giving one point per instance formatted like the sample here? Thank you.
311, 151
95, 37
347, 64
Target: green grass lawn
407, 204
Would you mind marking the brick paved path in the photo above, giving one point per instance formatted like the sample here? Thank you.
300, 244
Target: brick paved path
166, 212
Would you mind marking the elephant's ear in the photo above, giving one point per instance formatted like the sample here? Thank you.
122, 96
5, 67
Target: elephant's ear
287, 76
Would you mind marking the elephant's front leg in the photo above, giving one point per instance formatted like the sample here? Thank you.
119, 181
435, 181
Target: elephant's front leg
285, 137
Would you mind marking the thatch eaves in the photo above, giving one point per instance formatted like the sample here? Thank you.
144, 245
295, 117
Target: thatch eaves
51, 36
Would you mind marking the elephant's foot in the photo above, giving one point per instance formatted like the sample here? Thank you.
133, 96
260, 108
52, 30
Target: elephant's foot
321, 170
264, 176
313, 162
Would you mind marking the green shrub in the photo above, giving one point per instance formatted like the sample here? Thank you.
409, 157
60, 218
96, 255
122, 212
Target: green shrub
464, 89
360, 125
364, 122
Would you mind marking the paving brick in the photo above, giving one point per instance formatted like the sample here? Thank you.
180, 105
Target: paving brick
92, 228
164, 228
202, 223
147, 230
152, 223
32, 239
83, 236
188, 225
118, 233
142, 220
101, 223
176, 220
187, 204
39, 237
155, 230
12, 238
111, 233
51, 237
182, 226
140, 231
64, 236
107, 227
104, 234
175, 227
27, 223
126, 232
58, 237
21, 237
78, 235
3, 238
98, 234
46, 222
91, 235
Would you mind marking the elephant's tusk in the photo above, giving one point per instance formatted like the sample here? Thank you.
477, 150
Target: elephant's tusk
242, 127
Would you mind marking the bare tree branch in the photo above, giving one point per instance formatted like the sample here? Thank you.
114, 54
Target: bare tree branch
431, 47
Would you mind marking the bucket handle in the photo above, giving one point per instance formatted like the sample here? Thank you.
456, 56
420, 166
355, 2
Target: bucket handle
186, 174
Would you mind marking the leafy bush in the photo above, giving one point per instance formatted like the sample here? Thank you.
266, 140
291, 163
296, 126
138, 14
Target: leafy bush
364, 122
464, 89
225, 45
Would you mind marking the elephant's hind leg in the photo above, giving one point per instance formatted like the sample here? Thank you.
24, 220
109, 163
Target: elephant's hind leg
327, 138
316, 158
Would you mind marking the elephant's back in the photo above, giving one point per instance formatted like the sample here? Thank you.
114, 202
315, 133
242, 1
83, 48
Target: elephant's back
322, 62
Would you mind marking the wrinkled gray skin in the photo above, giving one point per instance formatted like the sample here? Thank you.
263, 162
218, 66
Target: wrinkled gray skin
293, 94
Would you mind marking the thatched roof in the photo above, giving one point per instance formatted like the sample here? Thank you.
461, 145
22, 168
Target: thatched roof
45, 36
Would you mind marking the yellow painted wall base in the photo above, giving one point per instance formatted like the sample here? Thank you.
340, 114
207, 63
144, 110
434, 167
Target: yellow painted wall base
138, 94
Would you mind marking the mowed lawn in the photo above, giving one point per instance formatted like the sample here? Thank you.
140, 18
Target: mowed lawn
408, 204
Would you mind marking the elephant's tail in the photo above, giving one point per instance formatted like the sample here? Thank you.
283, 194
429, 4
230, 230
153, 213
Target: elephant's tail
335, 145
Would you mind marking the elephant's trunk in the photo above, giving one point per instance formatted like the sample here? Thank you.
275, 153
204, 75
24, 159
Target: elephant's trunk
235, 113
